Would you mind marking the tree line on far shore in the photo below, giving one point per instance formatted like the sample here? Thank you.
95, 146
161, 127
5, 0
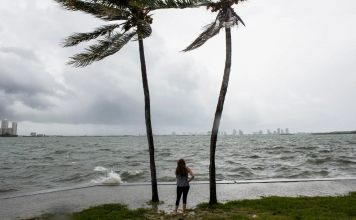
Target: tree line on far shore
136, 19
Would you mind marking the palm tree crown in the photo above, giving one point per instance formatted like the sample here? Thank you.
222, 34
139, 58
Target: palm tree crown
226, 18
136, 24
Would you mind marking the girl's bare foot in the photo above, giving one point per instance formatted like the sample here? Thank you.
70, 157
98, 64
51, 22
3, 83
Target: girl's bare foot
175, 213
184, 214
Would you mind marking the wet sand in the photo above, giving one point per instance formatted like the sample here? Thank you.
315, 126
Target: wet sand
137, 195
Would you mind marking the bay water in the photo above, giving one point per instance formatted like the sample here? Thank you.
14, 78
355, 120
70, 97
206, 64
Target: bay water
29, 164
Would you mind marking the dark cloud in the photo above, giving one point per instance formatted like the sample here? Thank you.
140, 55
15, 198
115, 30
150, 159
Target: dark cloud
25, 81
110, 112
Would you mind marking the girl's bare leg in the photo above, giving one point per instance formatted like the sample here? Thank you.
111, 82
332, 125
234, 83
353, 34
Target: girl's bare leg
184, 206
175, 211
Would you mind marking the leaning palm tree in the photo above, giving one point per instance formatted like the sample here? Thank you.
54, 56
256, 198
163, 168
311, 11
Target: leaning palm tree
135, 26
226, 18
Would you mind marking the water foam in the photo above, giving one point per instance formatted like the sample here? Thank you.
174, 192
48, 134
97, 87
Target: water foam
110, 178
134, 173
99, 168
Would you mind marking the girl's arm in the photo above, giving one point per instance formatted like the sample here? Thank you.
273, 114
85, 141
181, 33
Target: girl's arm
191, 173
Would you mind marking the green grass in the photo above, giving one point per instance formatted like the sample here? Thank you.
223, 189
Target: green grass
109, 211
342, 207
103, 212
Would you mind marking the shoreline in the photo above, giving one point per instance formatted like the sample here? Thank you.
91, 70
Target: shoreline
61, 189
137, 196
329, 207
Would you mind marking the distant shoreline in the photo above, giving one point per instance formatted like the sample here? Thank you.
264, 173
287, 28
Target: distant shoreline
316, 133
335, 132
4, 135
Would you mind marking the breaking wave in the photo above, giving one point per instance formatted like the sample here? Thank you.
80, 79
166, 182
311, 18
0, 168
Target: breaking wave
110, 178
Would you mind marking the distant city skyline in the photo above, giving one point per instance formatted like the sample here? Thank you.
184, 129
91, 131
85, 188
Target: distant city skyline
234, 132
14, 131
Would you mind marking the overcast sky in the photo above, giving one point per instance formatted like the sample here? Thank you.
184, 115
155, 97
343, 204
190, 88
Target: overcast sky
293, 66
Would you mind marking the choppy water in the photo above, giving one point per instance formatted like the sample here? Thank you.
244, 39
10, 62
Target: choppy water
31, 164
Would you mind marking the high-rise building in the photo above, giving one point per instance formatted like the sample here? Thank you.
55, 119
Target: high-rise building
278, 131
14, 128
5, 128
240, 132
33, 134
268, 131
6, 131
225, 133
275, 132
260, 132
287, 131
282, 131
4, 124
173, 133
234, 132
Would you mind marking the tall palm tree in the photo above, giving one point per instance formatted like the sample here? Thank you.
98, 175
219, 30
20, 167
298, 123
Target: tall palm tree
135, 26
226, 18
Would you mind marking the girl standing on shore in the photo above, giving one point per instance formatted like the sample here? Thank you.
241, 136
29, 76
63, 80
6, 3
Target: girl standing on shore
182, 183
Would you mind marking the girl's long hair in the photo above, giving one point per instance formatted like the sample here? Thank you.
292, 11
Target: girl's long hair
181, 168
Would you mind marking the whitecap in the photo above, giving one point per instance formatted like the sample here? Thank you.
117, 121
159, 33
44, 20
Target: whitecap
100, 168
133, 173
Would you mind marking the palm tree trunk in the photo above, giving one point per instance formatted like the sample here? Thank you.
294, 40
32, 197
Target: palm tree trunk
218, 113
148, 123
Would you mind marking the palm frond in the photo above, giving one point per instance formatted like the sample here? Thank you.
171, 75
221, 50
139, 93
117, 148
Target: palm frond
143, 29
232, 19
238, 18
102, 11
104, 48
120, 4
110, 2
113, 13
210, 31
165, 4
225, 19
77, 38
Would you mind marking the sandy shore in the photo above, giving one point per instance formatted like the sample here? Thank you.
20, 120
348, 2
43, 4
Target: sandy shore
136, 195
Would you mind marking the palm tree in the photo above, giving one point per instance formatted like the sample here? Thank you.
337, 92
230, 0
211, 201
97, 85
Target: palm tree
226, 18
135, 26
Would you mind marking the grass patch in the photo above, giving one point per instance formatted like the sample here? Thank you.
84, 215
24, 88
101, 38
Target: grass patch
342, 207
154, 203
102, 212
110, 211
